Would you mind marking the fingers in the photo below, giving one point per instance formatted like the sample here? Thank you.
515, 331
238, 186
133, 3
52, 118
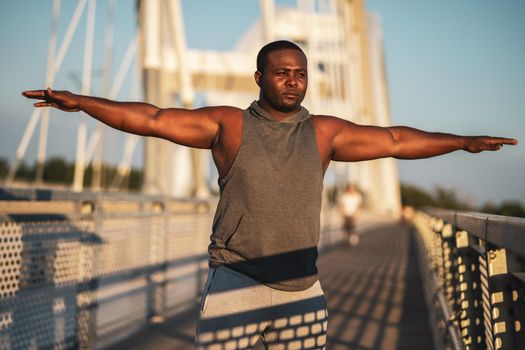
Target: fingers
45, 104
495, 144
487, 143
509, 141
503, 141
49, 92
39, 94
36, 94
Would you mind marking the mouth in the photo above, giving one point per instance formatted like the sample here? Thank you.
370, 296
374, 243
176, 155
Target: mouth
291, 94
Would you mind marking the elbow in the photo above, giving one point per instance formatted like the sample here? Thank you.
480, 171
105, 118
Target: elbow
153, 122
396, 146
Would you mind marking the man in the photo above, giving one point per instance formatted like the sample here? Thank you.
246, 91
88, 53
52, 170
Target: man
271, 159
350, 207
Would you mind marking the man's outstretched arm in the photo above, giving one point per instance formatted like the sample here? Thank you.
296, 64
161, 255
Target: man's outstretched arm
195, 128
354, 142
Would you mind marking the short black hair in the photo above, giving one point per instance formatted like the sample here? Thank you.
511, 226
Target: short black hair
262, 56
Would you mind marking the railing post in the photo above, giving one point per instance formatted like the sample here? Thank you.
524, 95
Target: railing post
437, 238
479, 260
437, 254
500, 320
86, 317
470, 314
448, 251
518, 300
157, 277
202, 264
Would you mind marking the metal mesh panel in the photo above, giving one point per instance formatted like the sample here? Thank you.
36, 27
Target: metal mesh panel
10, 256
183, 285
121, 304
86, 280
126, 257
40, 268
124, 244
186, 248
182, 233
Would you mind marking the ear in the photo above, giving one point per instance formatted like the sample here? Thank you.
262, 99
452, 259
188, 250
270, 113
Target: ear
257, 75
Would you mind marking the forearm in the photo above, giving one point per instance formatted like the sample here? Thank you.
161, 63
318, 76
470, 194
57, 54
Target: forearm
133, 117
412, 143
351, 142
192, 128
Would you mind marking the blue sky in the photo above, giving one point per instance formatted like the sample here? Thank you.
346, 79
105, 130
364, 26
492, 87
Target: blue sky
453, 66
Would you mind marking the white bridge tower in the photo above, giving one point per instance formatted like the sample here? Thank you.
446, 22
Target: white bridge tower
346, 78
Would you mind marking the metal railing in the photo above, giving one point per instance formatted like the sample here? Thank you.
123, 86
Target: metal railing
477, 266
86, 270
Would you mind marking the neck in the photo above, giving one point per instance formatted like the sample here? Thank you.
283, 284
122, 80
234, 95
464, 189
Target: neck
277, 114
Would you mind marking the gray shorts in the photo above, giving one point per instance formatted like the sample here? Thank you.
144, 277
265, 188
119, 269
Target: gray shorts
236, 311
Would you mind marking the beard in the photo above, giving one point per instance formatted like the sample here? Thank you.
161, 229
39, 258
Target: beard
285, 104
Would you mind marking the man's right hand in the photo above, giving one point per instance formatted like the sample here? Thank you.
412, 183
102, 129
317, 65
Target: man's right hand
216, 128
476, 144
63, 100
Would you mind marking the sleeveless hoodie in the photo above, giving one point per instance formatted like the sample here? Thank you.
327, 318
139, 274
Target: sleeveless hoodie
267, 221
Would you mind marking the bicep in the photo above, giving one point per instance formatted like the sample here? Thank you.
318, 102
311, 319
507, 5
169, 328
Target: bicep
355, 142
193, 128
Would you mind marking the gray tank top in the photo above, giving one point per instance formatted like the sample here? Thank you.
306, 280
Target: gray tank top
267, 220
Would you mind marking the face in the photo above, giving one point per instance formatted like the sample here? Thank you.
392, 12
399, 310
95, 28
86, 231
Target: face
284, 80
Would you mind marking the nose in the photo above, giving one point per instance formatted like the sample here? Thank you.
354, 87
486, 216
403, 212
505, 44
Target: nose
291, 81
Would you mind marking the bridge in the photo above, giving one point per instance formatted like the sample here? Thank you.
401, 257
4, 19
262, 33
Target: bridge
121, 271
88, 269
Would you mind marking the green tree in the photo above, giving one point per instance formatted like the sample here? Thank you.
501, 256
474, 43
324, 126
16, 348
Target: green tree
511, 208
58, 170
4, 168
415, 196
25, 172
489, 208
448, 199
135, 179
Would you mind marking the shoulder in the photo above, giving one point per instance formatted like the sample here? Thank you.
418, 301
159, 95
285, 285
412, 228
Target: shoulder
329, 125
328, 121
222, 113
230, 121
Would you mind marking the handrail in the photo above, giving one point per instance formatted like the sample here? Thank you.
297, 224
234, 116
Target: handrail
503, 231
479, 262
85, 270
52, 194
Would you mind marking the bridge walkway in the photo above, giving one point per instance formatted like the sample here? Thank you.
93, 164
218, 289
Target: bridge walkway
374, 293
